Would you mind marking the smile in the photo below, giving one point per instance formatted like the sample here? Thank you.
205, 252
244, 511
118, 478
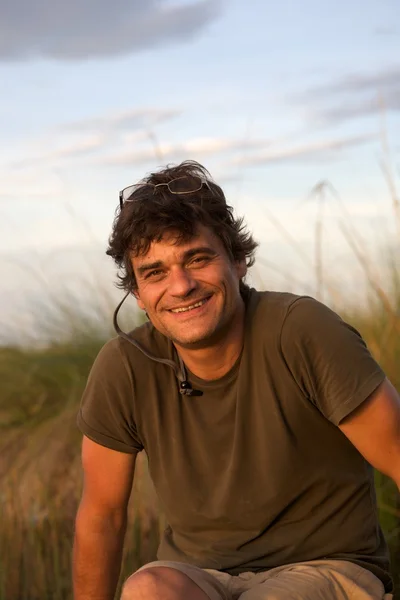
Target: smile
191, 307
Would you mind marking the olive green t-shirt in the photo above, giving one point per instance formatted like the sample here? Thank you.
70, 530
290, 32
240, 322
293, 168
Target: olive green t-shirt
254, 473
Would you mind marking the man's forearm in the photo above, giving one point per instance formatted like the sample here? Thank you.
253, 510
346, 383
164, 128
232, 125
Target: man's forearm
97, 557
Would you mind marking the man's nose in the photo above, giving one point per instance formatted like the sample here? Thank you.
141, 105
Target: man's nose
181, 282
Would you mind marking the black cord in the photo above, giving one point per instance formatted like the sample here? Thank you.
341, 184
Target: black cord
185, 387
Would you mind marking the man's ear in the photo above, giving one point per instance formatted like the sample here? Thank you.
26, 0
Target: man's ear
241, 268
138, 300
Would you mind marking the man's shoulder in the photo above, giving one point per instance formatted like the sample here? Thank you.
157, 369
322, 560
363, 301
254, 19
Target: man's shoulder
271, 312
274, 303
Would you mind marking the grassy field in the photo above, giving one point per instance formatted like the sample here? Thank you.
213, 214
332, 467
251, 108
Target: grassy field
40, 444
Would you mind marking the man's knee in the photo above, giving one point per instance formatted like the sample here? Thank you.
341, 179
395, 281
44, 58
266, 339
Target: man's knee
161, 582
146, 584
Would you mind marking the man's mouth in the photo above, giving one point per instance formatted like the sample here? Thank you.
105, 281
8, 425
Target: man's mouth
191, 306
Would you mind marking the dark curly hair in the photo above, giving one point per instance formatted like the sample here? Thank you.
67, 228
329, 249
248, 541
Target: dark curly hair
151, 211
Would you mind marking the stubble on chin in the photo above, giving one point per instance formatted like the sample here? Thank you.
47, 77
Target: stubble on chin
191, 339
202, 339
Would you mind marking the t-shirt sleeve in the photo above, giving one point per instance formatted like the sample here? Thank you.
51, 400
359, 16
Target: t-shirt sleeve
106, 411
328, 359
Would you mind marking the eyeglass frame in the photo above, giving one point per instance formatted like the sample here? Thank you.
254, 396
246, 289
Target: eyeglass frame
155, 185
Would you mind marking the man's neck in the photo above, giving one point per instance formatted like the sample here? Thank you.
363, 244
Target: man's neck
217, 359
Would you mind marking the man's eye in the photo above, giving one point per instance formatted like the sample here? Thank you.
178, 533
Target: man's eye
200, 259
153, 274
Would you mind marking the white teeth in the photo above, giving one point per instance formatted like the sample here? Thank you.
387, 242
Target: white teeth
176, 310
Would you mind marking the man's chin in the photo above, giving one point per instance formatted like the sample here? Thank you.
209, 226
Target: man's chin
193, 340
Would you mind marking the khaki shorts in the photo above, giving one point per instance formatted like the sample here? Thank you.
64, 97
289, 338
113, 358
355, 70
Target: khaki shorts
314, 580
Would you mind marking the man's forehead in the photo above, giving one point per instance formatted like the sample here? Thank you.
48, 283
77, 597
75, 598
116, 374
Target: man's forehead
173, 243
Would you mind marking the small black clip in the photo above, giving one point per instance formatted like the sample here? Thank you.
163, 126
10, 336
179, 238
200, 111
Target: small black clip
187, 390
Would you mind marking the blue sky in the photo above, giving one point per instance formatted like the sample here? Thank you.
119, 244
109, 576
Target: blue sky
271, 97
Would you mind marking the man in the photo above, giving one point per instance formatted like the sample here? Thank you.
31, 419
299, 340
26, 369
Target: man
261, 414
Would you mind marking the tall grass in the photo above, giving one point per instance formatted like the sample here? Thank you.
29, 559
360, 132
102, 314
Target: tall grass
40, 444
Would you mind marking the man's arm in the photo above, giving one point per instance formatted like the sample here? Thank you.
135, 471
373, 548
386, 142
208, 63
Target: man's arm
101, 521
374, 429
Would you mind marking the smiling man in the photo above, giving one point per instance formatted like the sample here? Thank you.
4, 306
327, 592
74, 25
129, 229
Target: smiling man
262, 415
191, 295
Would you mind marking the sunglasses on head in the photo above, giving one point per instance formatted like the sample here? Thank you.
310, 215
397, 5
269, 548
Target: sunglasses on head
187, 184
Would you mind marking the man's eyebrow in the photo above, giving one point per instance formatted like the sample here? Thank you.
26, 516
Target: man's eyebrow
199, 250
149, 266
158, 264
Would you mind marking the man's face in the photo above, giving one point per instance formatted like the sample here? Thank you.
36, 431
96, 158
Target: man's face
189, 291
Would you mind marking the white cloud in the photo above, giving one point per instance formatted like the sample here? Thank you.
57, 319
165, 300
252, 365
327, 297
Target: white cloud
28, 183
97, 28
121, 121
81, 139
358, 82
195, 148
311, 152
353, 96
64, 148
